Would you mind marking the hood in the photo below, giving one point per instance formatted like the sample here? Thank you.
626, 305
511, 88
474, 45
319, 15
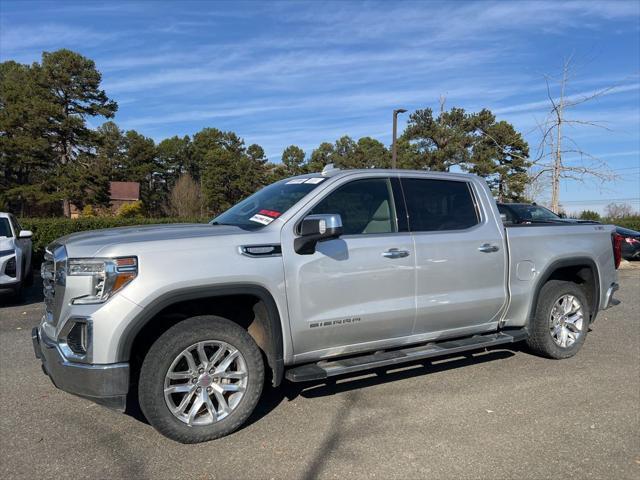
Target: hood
89, 243
6, 244
627, 232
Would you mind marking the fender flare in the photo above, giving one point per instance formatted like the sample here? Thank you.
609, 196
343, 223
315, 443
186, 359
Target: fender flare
275, 357
562, 263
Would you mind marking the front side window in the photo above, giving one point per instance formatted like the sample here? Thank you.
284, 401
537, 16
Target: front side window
366, 206
436, 205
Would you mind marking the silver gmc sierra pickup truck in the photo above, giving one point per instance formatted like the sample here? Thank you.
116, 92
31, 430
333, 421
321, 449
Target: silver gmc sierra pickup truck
311, 277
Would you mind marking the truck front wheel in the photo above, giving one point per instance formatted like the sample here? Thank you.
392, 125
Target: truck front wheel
559, 327
201, 379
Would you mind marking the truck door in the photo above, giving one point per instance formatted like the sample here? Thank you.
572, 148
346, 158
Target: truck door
460, 257
360, 287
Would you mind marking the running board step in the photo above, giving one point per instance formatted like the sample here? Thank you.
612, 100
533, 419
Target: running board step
324, 369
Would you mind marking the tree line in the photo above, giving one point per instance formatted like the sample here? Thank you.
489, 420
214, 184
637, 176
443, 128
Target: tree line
50, 158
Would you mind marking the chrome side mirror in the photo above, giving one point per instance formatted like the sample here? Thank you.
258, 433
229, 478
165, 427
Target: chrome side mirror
25, 234
314, 229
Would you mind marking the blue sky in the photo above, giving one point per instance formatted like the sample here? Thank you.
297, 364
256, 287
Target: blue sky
281, 73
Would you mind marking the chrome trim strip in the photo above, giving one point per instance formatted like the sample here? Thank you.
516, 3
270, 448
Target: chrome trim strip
261, 251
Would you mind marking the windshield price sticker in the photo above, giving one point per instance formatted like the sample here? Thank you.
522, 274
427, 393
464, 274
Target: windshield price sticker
263, 219
314, 180
298, 181
270, 213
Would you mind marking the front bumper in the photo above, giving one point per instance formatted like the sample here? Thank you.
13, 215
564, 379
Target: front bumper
103, 384
10, 283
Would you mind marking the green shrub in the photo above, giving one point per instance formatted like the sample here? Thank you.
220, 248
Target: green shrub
130, 210
46, 230
632, 222
88, 211
589, 215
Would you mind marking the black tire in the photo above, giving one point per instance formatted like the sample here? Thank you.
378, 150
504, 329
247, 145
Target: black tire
159, 359
28, 281
18, 292
540, 340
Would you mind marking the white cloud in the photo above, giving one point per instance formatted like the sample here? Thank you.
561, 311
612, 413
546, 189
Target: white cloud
48, 37
544, 105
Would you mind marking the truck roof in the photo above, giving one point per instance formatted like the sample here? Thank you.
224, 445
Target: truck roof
330, 172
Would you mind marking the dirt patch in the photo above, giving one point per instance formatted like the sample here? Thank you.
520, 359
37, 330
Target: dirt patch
627, 265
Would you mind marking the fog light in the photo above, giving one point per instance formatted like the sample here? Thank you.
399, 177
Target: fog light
77, 339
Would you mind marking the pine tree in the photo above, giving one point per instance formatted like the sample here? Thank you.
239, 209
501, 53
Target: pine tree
293, 160
25, 153
72, 84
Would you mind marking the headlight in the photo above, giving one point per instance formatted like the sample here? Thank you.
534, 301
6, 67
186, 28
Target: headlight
108, 276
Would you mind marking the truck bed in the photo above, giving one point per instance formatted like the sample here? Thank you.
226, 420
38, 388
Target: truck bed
536, 248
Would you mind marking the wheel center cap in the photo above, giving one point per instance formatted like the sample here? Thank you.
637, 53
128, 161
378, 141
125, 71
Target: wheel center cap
205, 380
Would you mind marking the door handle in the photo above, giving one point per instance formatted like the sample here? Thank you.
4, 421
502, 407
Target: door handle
395, 253
488, 248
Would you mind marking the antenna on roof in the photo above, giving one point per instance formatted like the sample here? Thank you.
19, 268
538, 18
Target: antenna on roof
328, 168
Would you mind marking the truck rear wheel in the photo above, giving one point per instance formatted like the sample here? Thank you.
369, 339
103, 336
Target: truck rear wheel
559, 327
201, 379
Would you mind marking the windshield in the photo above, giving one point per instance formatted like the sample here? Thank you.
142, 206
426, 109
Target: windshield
264, 206
5, 229
534, 212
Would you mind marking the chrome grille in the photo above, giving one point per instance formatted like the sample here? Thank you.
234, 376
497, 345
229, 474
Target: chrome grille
54, 273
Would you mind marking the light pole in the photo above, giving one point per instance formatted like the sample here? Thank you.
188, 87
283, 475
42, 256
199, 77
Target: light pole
394, 153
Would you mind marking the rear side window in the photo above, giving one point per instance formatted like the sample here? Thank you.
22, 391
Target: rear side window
436, 205
366, 206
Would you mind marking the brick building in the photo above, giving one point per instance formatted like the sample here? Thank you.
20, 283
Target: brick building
123, 192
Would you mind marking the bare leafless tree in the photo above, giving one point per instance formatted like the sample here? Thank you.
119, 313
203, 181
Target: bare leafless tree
537, 186
618, 210
556, 145
185, 199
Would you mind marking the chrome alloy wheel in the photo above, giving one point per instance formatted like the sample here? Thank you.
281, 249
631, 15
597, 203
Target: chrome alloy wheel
205, 382
567, 320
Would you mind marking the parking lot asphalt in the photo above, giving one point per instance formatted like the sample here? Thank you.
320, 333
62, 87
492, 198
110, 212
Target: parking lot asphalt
504, 413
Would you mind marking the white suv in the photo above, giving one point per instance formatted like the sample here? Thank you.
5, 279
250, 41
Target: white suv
15, 254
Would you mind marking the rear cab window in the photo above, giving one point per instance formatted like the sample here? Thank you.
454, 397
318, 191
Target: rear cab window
439, 205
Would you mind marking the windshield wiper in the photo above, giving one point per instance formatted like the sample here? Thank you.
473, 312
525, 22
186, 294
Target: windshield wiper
544, 221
